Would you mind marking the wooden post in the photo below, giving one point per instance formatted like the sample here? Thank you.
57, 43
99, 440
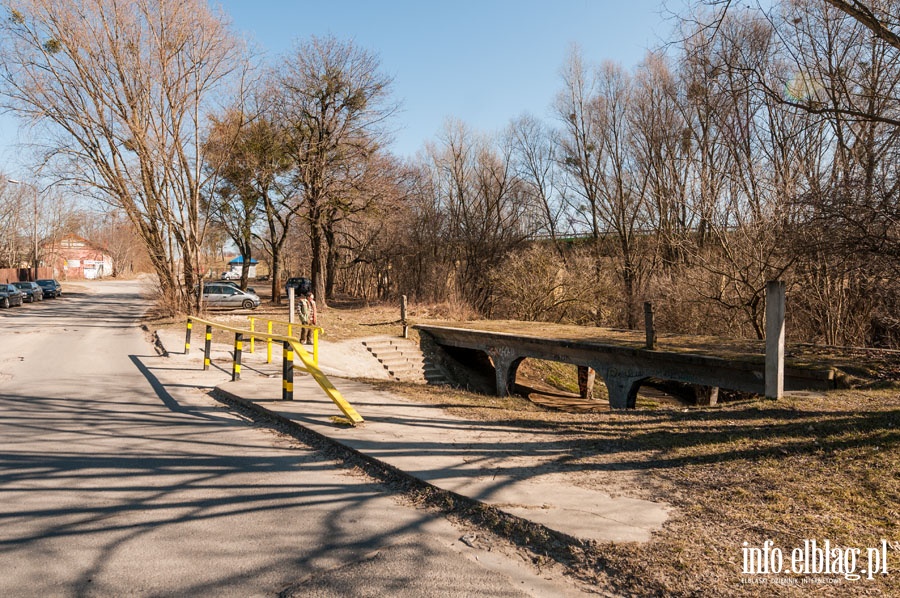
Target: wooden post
403, 316
774, 339
586, 378
648, 325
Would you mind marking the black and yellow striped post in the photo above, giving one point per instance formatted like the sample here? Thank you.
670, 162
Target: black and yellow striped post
207, 347
238, 348
187, 337
287, 374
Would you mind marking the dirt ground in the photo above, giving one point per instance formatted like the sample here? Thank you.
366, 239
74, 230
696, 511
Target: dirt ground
811, 467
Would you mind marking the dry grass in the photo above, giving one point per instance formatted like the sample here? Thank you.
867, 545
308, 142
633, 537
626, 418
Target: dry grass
811, 466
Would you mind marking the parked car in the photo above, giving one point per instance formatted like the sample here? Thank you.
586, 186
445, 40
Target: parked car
300, 284
10, 296
231, 275
237, 286
219, 294
50, 286
32, 291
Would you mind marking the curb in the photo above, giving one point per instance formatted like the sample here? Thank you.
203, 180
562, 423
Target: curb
518, 530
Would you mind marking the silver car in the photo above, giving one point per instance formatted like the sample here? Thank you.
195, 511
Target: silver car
226, 295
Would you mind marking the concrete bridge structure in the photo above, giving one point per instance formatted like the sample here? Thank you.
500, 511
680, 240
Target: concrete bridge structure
623, 366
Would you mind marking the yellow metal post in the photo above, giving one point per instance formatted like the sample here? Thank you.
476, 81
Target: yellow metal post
187, 337
269, 343
207, 347
252, 338
316, 346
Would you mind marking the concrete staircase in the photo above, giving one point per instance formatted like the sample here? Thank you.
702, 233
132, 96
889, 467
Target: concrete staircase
404, 361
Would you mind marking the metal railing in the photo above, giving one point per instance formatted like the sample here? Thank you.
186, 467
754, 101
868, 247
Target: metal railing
290, 347
290, 332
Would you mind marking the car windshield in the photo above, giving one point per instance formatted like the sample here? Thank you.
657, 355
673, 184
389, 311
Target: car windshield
22, 285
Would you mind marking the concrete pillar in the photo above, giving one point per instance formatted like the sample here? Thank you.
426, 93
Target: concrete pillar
586, 377
291, 305
774, 339
622, 389
505, 365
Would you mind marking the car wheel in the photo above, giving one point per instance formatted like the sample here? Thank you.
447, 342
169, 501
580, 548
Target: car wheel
6, 302
248, 304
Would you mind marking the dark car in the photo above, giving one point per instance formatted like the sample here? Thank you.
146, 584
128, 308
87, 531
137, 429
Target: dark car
32, 291
301, 285
10, 295
50, 286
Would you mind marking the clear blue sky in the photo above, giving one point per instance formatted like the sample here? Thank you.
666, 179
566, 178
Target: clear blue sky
482, 62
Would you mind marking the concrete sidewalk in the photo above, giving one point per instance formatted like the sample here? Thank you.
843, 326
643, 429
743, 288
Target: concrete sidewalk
505, 467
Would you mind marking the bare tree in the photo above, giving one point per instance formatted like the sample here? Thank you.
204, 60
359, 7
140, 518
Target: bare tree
13, 246
485, 207
536, 147
126, 87
334, 102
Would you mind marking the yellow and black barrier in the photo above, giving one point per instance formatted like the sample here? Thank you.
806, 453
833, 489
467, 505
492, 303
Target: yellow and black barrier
291, 348
290, 332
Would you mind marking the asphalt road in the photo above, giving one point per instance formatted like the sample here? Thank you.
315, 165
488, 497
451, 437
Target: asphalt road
119, 476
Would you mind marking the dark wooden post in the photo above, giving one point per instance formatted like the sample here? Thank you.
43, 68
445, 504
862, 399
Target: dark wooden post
648, 325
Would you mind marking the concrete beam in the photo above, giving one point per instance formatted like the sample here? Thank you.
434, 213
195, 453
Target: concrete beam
774, 339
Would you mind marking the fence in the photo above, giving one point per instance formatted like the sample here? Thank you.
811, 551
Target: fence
8, 275
291, 347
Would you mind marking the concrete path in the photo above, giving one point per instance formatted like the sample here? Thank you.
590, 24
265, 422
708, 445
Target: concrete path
120, 477
499, 466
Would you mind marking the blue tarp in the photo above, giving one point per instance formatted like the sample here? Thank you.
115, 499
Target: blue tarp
240, 260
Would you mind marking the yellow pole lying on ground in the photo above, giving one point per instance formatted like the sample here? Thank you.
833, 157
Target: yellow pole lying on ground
323, 381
